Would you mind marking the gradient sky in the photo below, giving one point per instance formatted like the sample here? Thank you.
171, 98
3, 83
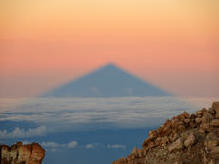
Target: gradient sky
171, 43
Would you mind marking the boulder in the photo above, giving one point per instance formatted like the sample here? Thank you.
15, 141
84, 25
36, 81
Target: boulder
152, 134
198, 120
190, 140
215, 107
215, 152
211, 140
204, 127
215, 123
177, 145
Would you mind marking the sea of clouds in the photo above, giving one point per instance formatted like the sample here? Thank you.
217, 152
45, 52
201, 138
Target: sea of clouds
69, 114
55, 146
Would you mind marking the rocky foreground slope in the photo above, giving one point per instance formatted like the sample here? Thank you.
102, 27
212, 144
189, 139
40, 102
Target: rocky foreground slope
185, 139
21, 154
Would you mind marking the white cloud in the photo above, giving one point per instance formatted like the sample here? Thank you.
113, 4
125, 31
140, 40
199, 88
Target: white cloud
52, 145
21, 133
55, 146
72, 144
90, 146
65, 114
116, 146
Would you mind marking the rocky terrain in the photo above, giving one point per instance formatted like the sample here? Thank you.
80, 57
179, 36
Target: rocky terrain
185, 139
22, 154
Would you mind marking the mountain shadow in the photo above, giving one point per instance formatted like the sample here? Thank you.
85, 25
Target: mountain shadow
107, 81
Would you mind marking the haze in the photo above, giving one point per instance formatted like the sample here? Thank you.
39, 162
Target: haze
45, 43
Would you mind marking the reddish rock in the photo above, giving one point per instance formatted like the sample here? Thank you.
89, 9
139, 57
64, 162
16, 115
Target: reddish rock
166, 129
152, 134
190, 139
19, 154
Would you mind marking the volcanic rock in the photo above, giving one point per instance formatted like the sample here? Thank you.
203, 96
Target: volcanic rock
22, 154
185, 139
190, 140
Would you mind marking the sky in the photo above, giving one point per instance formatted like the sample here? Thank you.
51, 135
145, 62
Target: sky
174, 43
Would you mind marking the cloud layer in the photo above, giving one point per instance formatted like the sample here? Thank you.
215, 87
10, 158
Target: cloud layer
64, 114
21, 133
116, 146
54, 146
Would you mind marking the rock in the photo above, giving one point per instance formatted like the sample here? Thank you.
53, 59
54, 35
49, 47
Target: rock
184, 115
215, 123
204, 127
193, 124
206, 117
19, 154
211, 140
175, 136
135, 150
148, 143
181, 128
192, 116
187, 121
152, 134
198, 120
177, 145
166, 128
190, 140
199, 114
215, 107
178, 162
211, 143
215, 151
164, 141
211, 111
178, 125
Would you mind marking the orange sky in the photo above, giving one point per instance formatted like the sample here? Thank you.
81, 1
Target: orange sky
173, 44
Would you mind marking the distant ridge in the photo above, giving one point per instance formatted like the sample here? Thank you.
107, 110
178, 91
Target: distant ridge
107, 81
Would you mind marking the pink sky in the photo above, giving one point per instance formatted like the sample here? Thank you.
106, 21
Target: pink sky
173, 44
